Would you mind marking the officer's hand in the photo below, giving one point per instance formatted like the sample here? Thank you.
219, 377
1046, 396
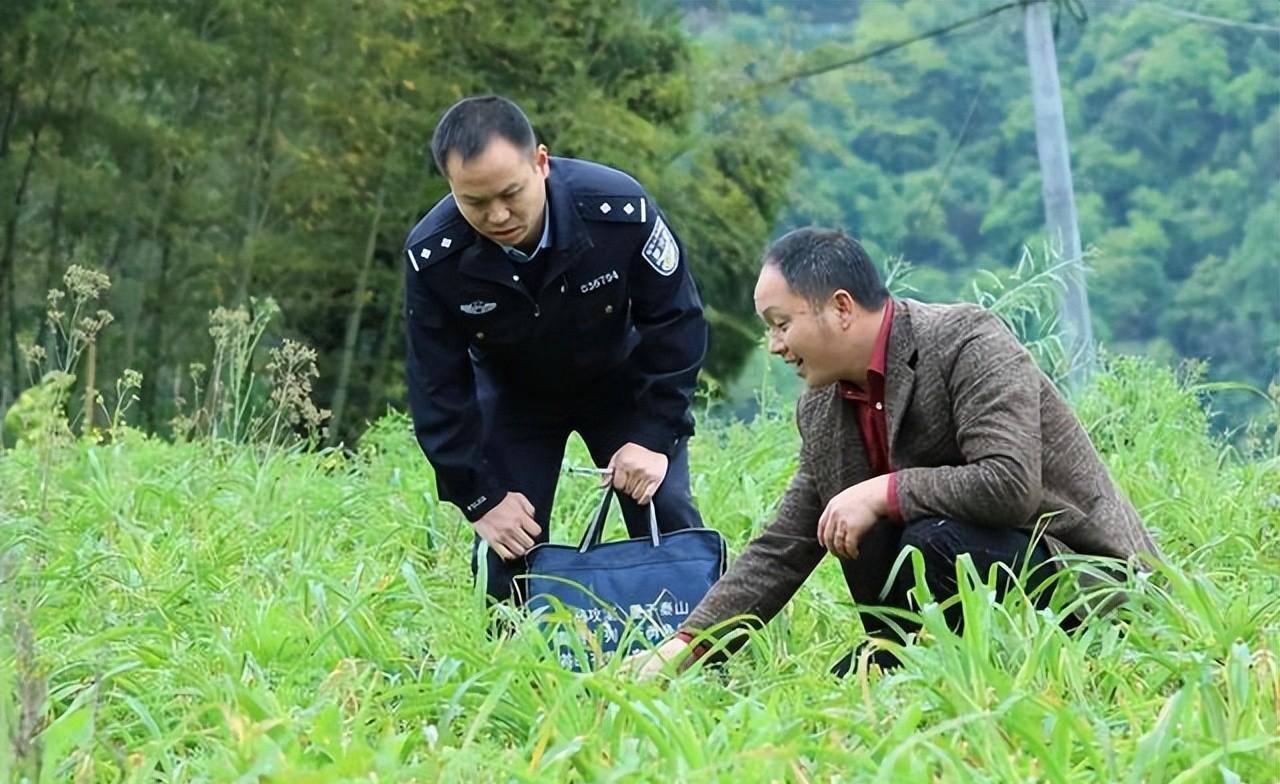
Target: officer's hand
509, 527
637, 471
850, 514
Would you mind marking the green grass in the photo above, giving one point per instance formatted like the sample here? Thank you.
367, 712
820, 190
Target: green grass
208, 612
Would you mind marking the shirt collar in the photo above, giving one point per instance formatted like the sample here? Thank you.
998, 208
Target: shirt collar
520, 256
879, 354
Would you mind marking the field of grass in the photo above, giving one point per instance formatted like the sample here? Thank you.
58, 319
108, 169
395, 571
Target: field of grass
205, 611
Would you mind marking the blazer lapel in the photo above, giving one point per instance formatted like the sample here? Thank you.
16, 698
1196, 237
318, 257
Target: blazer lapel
900, 371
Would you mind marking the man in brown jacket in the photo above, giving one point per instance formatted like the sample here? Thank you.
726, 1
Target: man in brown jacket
923, 425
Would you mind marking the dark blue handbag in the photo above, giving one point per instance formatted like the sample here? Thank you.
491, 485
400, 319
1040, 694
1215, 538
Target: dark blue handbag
631, 594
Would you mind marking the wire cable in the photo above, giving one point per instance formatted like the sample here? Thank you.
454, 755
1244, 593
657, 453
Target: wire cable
805, 73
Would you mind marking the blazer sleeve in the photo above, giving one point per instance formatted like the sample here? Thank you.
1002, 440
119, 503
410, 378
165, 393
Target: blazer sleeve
774, 565
994, 388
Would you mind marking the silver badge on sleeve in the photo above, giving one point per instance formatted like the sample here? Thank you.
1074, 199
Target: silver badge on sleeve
661, 250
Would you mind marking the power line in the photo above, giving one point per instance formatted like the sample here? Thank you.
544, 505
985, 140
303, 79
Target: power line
805, 73
1211, 20
946, 166
1073, 7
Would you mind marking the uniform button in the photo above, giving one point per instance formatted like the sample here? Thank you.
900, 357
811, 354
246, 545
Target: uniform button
608, 308
515, 277
479, 336
879, 405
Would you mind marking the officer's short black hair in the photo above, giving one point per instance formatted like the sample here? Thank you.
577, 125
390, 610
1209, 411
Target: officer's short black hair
470, 124
817, 262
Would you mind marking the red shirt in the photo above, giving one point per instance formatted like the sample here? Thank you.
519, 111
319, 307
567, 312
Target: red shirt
868, 405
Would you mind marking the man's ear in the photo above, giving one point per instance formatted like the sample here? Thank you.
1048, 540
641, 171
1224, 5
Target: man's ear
844, 307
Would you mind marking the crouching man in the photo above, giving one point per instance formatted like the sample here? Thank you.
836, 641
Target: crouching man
922, 425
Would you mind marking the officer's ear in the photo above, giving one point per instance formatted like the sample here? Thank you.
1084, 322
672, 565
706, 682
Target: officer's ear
542, 160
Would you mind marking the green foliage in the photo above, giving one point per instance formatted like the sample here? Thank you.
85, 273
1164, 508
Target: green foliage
199, 152
202, 152
929, 153
1228, 302
39, 413
207, 611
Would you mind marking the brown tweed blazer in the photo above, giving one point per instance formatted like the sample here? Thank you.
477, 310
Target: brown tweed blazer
976, 433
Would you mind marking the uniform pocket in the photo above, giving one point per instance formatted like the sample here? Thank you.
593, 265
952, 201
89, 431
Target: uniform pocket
492, 318
597, 302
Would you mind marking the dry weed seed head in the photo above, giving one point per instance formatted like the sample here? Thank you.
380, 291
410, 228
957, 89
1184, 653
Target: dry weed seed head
226, 324
292, 367
90, 326
33, 354
53, 301
85, 284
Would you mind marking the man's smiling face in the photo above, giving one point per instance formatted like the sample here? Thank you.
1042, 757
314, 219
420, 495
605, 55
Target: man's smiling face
797, 332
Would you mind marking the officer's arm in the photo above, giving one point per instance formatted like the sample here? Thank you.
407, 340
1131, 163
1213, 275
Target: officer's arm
442, 401
667, 311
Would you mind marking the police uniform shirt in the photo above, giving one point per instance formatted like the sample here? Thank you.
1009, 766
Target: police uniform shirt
614, 296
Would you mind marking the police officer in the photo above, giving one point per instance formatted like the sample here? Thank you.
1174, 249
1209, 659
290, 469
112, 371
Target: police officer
546, 295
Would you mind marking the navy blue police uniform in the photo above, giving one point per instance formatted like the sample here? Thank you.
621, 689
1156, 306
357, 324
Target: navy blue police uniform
600, 332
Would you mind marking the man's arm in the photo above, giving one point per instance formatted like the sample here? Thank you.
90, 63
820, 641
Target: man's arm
774, 565
442, 400
667, 311
994, 389
766, 576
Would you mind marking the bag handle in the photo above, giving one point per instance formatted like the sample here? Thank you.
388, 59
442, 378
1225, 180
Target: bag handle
594, 531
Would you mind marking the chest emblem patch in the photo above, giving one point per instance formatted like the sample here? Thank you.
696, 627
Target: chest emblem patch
660, 250
478, 308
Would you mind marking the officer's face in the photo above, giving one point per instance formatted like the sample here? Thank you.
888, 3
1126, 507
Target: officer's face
502, 192
820, 343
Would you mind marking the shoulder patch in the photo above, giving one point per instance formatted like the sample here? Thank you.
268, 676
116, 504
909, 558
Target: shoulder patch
660, 250
438, 246
613, 209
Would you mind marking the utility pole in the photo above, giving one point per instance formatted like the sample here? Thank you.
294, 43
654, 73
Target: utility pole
1057, 190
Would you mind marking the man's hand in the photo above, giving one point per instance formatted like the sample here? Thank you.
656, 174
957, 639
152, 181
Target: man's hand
646, 664
851, 514
509, 527
637, 471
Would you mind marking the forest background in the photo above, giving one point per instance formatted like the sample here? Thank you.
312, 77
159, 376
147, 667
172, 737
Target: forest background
205, 153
